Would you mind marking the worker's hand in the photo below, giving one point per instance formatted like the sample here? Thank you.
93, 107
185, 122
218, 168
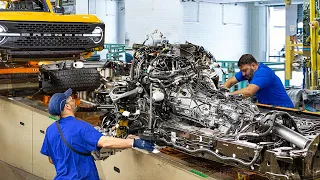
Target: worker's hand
131, 136
223, 88
143, 144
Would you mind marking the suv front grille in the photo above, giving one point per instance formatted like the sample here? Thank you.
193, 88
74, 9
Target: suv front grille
80, 42
50, 35
53, 27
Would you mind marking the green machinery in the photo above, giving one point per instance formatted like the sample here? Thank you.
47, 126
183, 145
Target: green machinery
115, 51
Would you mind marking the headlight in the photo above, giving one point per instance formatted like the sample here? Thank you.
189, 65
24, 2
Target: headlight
2, 37
97, 35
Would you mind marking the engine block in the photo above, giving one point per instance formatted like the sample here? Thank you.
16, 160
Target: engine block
173, 98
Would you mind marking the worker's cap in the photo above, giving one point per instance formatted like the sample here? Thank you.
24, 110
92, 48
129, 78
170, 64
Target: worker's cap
58, 101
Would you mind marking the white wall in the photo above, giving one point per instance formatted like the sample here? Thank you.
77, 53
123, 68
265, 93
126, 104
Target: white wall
222, 29
258, 31
145, 16
82, 7
108, 12
105, 10
277, 30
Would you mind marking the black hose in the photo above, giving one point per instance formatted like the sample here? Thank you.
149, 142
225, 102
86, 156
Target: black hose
273, 117
251, 134
288, 116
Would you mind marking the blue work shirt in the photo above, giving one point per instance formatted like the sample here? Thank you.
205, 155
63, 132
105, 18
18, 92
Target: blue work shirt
82, 137
271, 89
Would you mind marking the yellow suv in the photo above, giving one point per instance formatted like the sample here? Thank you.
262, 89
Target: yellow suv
33, 29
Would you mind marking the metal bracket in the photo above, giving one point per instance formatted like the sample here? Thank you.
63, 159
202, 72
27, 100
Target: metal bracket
59, 65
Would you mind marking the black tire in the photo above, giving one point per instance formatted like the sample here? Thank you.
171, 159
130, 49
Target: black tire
77, 79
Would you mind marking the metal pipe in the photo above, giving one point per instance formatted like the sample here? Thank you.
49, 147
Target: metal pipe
115, 97
106, 107
223, 158
85, 95
10, 86
150, 113
291, 136
88, 102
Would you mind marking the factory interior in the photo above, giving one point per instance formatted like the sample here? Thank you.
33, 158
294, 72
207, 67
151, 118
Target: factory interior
161, 89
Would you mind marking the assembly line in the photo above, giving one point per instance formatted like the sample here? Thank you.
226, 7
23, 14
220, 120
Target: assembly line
168, 111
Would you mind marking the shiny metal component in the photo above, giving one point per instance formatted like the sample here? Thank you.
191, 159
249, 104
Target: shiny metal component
291, 136
221, 157
199, 118
150, 109
10, 34
2, 34
10, 87
96, 35
69, 64
157, 96
115, 97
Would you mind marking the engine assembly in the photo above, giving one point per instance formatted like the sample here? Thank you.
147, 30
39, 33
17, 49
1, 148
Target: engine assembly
172, 97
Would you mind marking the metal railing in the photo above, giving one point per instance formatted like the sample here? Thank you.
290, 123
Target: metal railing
115, 51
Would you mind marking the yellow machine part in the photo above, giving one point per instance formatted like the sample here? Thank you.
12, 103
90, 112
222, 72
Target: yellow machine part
87, 55
122, 123
46, 16
289, 57
314, 45
312, 80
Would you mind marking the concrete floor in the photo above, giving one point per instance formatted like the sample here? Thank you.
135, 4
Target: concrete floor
8, 172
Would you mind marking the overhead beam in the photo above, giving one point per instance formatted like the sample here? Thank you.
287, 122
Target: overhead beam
257, 2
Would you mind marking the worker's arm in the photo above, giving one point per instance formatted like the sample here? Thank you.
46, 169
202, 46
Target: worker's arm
115, 143
230, 82
93, 139
247, 91
50, 160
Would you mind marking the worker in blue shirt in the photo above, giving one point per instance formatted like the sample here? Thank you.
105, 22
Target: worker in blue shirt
128, 58
262, 81
68, 142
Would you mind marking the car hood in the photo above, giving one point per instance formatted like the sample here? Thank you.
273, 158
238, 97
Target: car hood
46, 17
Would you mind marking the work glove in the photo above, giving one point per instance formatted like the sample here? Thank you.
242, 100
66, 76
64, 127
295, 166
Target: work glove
143, 144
